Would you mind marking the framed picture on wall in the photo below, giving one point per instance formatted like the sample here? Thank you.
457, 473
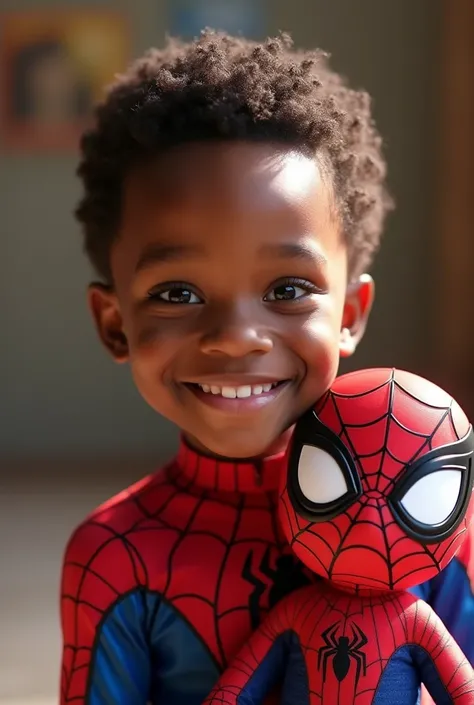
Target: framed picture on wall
54, 66
187, 18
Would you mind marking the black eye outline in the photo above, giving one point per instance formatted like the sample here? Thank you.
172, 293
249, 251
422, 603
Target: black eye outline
454, 456
310, 431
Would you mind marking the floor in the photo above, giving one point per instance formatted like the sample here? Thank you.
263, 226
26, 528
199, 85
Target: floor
37, 513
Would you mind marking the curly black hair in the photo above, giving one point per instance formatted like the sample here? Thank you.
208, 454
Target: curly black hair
220, 87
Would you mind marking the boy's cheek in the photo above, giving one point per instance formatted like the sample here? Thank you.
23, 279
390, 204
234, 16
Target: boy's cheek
153, 356
154, 379
318, 346
319, 334
145, 338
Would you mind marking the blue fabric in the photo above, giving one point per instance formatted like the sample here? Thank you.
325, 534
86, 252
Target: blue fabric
399, 684
146, 652
265, 677
121, 666
285, 656
452, 599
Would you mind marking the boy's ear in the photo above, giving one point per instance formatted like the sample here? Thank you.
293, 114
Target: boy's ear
105, 310
357, 307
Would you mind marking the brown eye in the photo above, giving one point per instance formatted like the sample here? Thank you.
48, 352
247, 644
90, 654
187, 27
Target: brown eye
178, 295
291, 290
285, 293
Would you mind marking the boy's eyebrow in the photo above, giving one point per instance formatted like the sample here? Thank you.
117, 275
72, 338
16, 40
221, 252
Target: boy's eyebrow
159, 252
294, 250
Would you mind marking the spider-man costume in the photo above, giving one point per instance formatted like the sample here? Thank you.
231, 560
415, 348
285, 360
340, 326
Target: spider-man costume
377, 497
164, 583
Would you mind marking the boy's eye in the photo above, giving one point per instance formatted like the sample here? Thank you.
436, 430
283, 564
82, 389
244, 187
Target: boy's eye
285, 292
183, 294
175, 295
291, 291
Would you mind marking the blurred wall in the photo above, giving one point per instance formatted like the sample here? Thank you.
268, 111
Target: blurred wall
60, 395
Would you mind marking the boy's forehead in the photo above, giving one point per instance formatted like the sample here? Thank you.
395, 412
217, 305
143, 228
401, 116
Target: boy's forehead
248, 176
235, 194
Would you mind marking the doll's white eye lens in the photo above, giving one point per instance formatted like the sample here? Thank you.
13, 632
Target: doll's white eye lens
434, 497
320, 478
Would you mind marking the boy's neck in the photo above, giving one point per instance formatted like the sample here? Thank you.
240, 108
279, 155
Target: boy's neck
202, 469
279, 445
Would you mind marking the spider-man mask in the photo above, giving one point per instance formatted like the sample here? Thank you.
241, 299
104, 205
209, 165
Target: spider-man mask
379, 483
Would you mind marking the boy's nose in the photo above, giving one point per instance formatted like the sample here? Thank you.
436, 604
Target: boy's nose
236, 338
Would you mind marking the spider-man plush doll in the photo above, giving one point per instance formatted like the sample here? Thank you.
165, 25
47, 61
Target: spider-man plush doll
376, 499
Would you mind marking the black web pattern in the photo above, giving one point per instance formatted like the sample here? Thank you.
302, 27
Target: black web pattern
148, 520
376, 484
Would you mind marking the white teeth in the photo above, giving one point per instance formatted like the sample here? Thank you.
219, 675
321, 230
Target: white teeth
229, 392
242, 392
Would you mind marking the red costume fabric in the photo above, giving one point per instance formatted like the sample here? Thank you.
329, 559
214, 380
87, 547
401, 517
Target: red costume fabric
376, 499
163, 583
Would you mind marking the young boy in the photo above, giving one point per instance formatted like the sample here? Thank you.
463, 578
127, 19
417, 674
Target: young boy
234, 197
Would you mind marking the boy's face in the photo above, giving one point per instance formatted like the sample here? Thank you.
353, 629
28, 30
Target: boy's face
230, 296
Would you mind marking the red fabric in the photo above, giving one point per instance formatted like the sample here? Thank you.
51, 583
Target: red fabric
201, 533
374, 629
395, 427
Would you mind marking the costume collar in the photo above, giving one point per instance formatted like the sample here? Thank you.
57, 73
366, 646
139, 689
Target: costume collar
230, 475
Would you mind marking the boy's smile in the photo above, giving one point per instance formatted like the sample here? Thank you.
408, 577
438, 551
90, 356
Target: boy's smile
230, 279
238, 394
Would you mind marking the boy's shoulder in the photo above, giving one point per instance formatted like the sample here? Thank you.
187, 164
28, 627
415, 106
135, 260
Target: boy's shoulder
109, 533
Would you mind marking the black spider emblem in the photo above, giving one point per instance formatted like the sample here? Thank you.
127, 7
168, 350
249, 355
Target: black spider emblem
341, 650
288, 575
